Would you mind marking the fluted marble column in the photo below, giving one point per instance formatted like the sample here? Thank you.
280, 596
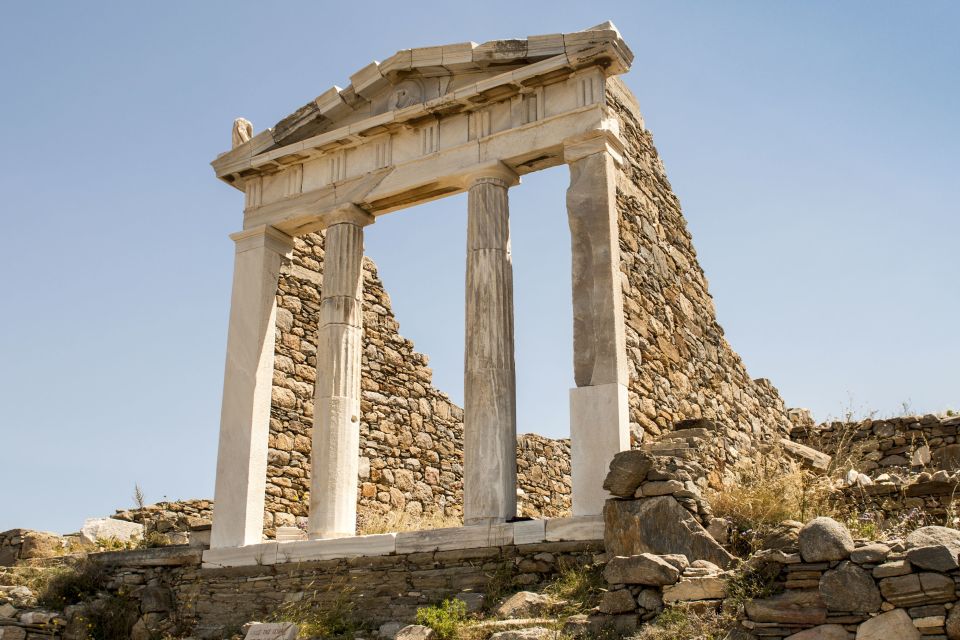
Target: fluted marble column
490, 414
336, 407
599, 417
247, 385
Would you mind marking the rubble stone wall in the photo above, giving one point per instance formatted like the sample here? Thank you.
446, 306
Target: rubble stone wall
411, 434
543, 476
681, 366
215, 602
902, 445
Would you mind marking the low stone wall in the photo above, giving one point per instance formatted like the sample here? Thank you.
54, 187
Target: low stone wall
902, 590
175, 593
165, 517
895, 445
928, 500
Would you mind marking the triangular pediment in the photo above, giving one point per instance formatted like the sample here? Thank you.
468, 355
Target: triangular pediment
417, 76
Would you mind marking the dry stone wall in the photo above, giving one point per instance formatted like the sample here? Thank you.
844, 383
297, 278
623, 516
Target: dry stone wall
681, 366
543, 476
902, 445
410, 433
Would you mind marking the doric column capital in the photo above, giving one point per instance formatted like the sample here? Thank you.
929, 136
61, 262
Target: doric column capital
606, 139
491, 172
348, 214
262, 236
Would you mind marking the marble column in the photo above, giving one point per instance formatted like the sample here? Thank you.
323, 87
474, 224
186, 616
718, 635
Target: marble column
336, 406
599, 417
247, 385
490, 414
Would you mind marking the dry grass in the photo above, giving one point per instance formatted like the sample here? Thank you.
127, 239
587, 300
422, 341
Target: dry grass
393, 522
686, 623
763, 494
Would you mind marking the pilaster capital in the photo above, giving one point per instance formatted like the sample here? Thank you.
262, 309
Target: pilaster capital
263, 236
606, 139
491, 171
347, 214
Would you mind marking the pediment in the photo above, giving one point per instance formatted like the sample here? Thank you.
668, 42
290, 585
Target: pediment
417, 76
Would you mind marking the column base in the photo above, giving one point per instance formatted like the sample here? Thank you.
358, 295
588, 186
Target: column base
599, 429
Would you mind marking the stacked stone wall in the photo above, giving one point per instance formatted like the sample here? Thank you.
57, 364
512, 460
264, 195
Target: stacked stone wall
902, 445
164, 517
681, 366
411, 434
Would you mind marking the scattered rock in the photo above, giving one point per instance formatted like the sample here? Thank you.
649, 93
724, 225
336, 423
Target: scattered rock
416, 632
850, 588
644, 568
524, 604
887, 626
824, 539
660, 526
389, 630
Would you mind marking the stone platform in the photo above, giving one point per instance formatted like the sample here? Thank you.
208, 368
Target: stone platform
572, 529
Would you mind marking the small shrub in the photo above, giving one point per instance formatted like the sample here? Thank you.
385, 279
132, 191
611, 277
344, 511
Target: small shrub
73, 585
110, 618
334, 620
445, 619
153, 539
683, 622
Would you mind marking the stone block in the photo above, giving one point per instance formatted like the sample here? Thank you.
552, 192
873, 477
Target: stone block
575, 528
472, 537
529, 531
659, 526
110, 529
332, 548
644, 568
248, 556
887, 626
272, 631
850, 588
693, 589
824, 539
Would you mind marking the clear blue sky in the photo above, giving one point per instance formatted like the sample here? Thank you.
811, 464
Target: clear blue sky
814, 146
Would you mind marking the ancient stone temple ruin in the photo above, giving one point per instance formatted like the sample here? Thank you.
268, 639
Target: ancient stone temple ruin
423, 124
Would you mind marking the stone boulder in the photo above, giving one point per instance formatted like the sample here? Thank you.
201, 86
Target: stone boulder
524, 604
533, 633
822, 632
628, 469
823, 540
850, 588
887, 626
806, 456
659, 526
416, 632
389, 630
40, 544
644, 568
934, 548
109, 528
783, 536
